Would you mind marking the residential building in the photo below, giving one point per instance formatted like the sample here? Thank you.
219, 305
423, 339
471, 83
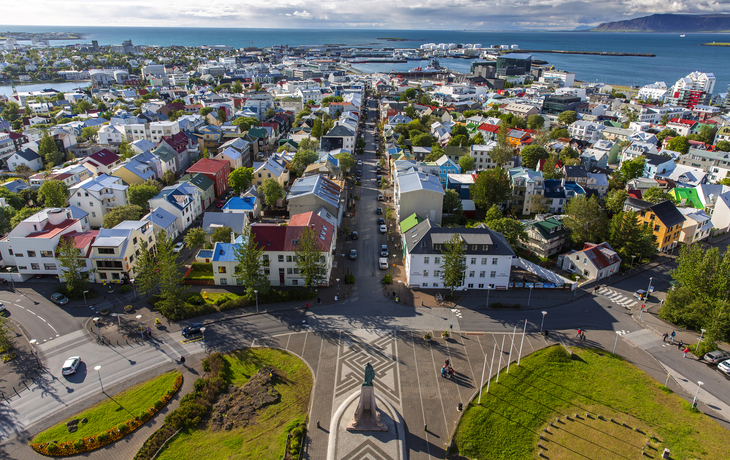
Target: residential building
663, 218
597, 182
273, 168
558, 193
488, 256
26, 157
162, 221
98, 196
545, 237
696, 227
686, 176
204, 185
586, 130
521, 110
461, 184
214, 220
593, 262
215, 170
183, 200
115, 251
339, 137
418, 193
482, 159
527, 190
705, 159
101, 162
310, 193
249, 205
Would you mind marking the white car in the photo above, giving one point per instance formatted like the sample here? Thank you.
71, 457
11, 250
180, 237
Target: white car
178, 247
70, 365
383, 229
383, 263
724, 366
640, 294
359, 162
2, 307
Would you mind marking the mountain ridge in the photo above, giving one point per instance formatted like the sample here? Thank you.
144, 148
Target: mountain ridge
678, 23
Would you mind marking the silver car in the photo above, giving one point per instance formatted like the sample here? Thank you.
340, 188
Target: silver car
70, 365
716, 356
724, 366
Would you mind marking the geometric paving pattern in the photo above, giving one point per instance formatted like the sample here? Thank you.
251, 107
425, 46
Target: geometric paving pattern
368, 450
355, 353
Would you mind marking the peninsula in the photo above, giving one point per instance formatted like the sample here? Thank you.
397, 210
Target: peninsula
678, 23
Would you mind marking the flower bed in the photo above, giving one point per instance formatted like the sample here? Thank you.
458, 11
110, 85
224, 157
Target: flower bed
96, 441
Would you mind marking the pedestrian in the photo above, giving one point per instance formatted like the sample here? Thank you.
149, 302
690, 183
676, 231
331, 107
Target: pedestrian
579, 332
583, 336
686, 350
664, 337
681, 345
673, 335
306, 306
182, 360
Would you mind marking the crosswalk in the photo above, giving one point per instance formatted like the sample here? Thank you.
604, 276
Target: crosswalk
616, 297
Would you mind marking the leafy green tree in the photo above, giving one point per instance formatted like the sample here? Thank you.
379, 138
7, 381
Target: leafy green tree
195, 237
53, 193
48, 150
317, 129
567, 117
347, 161
436, 153
140, 194
723, 146
478, 139
310, 259
82, 106
73, 267
168, 177
302, 159
513, 230
170, 277
535, 122
89, 132
308, 144
23, 214
204, 111
452, 202
532, 154
121, 213
146, 269
422, 140
11, 111
569, 153
6, 215
14, 200
656, 195
453, 268
459, 130
460, 140
632, 169
725, 181
237, 87
239, 179
250, 270
492, 186
466, 163
272, 192
585, 220
678, 144
629, 237
663, 134
221, 115
615, 200
221, 235
245, 123
126, 151
411, 112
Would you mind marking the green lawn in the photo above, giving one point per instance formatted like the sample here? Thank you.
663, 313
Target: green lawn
112, 411
266, 439
548, 384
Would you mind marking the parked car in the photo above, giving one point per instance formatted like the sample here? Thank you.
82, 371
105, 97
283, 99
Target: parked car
640, 294
178, 247
379, 211
383, 263
353, 254
353, 235
381, 221
724, 366
192, 329
59, 298
359, 173
70, 365
381, 198
359, 162
716, 356
2, 307
220, 203
384, 250
383, 229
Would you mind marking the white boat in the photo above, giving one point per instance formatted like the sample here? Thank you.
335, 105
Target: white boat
681, 36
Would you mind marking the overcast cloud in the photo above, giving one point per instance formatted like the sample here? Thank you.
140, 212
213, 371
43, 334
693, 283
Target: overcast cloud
393, 14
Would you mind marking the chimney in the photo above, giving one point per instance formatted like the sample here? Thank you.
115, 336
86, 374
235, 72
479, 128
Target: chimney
233, 237
562, 182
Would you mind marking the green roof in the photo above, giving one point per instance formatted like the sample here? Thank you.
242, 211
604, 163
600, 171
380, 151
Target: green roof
549, 228
689, 195
410, 222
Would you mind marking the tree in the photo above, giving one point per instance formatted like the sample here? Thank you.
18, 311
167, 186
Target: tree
452, 202
310, 258
663, 134
82, 106
250, 271
347, 162
422, 140
89, 132
585, 220
678, 144
204, 154
221, 235
466, 163
23, 214
459, 130
48, 151
493, 186
723, 146
512, 230
478, 139
125, 150
272, 192
237, 87
725, 181
569, 153
6, 216
168, 177
535, 122
221, 115
656, 195
239, 179
567, 117
317, 128
459, 141
146, 270
140, 194
121, 213
615, 200
204, 111
302, 159
532, 154
629, 237
53, 193
245, 123
195, 237
632, 169
73, 267
559, 133
453, 268
170, 277
411, 112
308, 144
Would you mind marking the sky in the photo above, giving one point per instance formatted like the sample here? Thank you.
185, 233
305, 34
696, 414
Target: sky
392, 14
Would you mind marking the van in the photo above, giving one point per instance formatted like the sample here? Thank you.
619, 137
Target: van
383, 263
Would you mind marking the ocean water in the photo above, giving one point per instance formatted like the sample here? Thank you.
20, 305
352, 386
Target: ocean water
675, 56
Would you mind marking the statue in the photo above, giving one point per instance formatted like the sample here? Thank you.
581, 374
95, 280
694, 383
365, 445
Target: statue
366, 416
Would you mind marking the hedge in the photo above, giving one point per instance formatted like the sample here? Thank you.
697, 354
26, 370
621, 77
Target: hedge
97, 441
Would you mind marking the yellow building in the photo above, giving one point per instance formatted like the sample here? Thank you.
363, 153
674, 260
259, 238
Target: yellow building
664, 219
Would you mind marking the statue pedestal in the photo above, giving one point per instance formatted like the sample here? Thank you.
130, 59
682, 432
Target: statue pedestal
367, 416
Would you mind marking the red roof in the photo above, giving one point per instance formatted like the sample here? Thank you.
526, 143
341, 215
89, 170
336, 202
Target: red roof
635, 194
278, 238
489, 128
601, 255
208, 165
103, 157
270, 237
83, 240
49, 231
682, 121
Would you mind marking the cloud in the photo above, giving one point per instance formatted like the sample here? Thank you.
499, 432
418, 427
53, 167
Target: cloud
304, 14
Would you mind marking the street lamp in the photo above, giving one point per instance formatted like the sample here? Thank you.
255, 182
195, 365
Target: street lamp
632, 264
399, 283
85, 296
338, 288
529, 297
648, 290
615, 342
96, 321
35, 351
202, 331
98, 371
256, 291
139, 318
488, 289
702, 331
543, 319
699, 384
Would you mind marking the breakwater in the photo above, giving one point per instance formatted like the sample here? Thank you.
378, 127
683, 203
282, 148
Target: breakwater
592, 53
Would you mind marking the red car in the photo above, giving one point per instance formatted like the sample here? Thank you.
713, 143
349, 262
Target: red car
220, 204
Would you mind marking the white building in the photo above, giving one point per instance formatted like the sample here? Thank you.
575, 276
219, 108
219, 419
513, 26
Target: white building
98, 195
115, 252
418, 193
654, 91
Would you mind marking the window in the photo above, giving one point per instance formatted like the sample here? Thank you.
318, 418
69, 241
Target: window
436, 273
134, 240
425, 273
656, 228
425, 260
437, 260
131, 259
49, 266
470, 286
471, 274
482, 274
102, 275
281, 258
481, 286
494, 261
105, 250
289, 271
91, 204
46, 253
10, 251
473, 260
224, 281
492, 274
18, 254
267, 271
484, 261
295, 282
425, 284
31, 253
35, 267
288, 258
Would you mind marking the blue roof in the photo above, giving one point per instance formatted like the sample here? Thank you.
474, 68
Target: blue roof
224, 252
160, 217
246, 203
205, 253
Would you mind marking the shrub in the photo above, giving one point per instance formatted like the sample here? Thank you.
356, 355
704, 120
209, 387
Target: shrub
350, 279
125, 288
52, 447
202, 267
158, 404
102, 437
78, 444
387, 279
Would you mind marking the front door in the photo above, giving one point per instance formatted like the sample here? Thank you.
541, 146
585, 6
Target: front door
281, 276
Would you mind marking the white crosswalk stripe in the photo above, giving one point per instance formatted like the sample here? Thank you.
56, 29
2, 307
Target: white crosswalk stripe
617, 298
